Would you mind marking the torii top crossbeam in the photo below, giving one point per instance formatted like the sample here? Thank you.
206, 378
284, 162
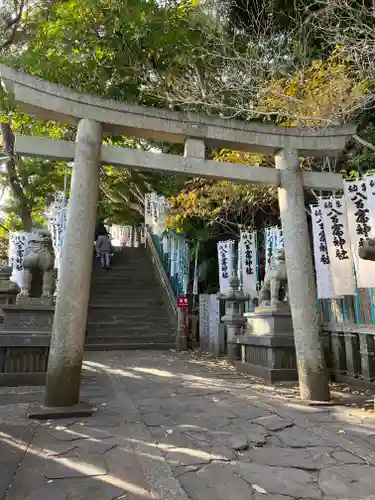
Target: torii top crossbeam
53, 102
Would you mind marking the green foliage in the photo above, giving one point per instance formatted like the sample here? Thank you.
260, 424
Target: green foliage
205, 211
111, 48
39, 180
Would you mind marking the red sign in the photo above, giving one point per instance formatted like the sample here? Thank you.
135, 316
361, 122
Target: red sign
182, 302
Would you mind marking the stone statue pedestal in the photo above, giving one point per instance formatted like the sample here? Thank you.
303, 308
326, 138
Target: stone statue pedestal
37, 302
267, 348
24, 343
269, 320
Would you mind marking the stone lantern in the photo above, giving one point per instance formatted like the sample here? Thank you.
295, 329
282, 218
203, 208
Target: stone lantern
234, 317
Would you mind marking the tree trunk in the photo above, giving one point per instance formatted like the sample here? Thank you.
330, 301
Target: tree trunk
23, 202
26, 219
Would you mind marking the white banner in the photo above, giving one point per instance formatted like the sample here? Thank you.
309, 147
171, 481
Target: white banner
173, 256
370, 190
269, 244
166, 245
274, 239
17, 246
195, 282
154, 212
56, 216
162, 215
179, 268
247, 257
323, 273
148, 209
359, 226
142, 235
185, 267
338, 246
225, 251
126, 234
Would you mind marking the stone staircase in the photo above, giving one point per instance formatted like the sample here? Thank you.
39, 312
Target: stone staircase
126, 309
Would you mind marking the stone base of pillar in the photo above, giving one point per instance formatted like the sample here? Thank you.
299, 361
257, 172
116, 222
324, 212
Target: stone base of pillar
181, 343
47, 413
268, 350
234, 351
269, 357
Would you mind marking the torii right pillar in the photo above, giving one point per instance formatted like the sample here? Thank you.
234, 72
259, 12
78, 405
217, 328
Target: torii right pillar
312, 373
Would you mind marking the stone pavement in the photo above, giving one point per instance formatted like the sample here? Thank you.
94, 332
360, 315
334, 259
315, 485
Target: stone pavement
169, 427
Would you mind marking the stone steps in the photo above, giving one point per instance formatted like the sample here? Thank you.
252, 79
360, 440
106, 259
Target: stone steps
118, 315
126, 309
121, 346
129, 337
99, 292
124, 304
148, 326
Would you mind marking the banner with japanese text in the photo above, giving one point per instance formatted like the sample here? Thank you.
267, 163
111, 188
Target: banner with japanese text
16, 251
274, 239
148, 209
56, 216
225, 251
154, 212
370, 191
162, 210
247, 256
359, 227
324, 283
185, 267
195, 279
338, 246
173, 256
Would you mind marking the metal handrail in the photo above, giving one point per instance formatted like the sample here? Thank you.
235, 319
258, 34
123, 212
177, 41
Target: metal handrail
163, 277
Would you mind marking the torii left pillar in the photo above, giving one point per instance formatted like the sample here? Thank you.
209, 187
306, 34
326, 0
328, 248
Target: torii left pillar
69, 325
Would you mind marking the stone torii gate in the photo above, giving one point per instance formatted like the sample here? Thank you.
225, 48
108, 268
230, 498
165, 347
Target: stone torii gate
95, 116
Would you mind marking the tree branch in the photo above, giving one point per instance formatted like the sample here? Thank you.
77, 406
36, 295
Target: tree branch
12, 25
123, 199
364, 142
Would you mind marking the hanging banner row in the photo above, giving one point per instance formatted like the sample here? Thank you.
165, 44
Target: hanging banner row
247, 258
340, 227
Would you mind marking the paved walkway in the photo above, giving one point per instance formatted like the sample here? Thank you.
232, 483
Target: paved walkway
172, 428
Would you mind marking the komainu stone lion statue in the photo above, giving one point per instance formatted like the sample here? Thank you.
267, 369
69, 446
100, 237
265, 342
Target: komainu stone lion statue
275, 286
39, 257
